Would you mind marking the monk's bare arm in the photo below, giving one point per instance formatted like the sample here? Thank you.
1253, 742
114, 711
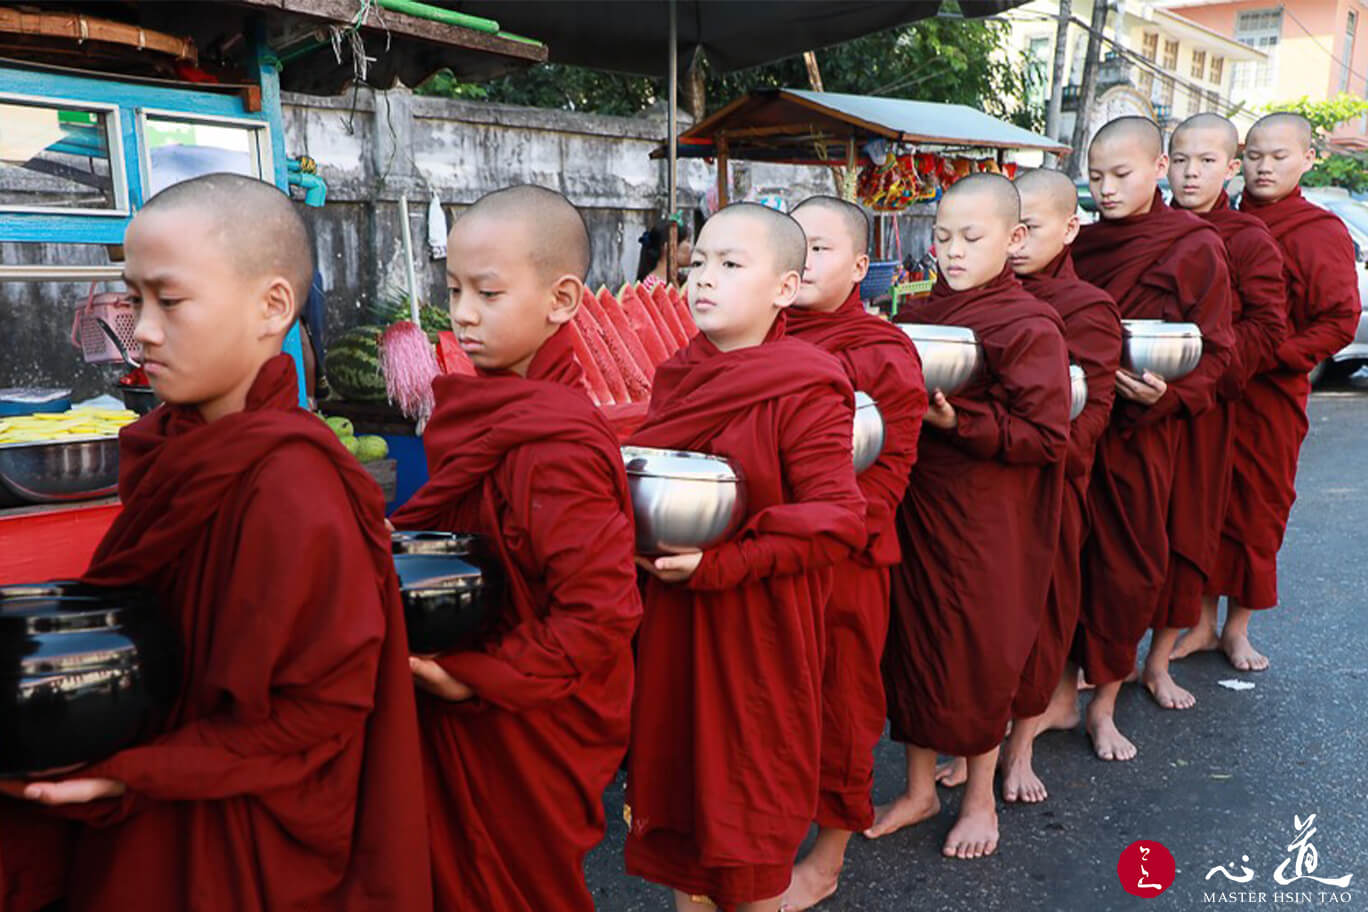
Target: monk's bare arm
563, 499
822, 524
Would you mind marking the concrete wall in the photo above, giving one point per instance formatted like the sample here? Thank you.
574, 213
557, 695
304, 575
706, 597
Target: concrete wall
371, 147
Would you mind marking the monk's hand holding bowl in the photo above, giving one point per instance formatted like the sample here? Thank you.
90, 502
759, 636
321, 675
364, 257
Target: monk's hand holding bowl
70, 791
433, 678
1146, 389
941, 413
672, 568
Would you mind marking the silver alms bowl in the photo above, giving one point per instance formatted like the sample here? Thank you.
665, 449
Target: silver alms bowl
1078, 390
869, 431
683, 501
951, 356
1170, 350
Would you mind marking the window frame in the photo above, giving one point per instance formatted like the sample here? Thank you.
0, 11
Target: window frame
261, 139
118, 170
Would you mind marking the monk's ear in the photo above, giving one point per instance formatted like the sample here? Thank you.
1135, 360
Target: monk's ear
1233, 168
566, 293
1309, 161
1071, 228
278, 307
1161, 166
1016, 238
787, 292
857, 274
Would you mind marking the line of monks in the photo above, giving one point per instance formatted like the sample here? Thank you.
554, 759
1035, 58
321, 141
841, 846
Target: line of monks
955, 588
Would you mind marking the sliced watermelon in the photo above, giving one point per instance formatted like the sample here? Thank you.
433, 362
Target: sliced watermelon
632, 371
618, 316
642, 324
594, 341
593, 376
681, 307
450, 358
665, 307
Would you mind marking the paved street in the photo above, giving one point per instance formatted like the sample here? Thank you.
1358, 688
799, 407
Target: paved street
1212, 784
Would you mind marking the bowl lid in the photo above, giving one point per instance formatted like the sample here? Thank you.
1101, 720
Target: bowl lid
935, 332
1161, 329
428, 572
414, 541
656, 463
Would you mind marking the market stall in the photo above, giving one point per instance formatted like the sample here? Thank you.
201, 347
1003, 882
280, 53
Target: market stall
162, 93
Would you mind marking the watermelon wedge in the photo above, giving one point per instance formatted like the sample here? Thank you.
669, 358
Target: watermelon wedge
450, 358
618, 316
640, 320
681, 307
593, 376
662, 328
597, 346
632, 372
665, 307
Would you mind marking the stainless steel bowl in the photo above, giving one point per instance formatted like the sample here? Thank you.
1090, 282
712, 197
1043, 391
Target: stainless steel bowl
1078, 389
77, 468
1170, 350
453, 588
951, 356
683, 501
140, 399
869, 431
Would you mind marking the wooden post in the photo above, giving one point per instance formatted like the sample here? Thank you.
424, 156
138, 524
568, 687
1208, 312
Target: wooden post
672, 245
723, 169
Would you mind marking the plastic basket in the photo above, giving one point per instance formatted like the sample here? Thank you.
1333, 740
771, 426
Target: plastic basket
879, 279
116, 312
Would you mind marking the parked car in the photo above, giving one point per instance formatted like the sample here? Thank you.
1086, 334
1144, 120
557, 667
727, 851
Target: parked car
1354, 214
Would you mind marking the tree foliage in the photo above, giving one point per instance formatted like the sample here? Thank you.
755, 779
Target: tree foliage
1348, 170
958, 61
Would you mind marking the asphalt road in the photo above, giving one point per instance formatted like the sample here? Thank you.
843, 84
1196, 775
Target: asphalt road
1221, 781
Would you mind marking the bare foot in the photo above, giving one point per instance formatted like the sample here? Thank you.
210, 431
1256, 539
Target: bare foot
1019, 781
1201, 638
974, 835
1061, 715
1242, 654
1166, 691
1108, 742
904, 811
809, 886
952, 773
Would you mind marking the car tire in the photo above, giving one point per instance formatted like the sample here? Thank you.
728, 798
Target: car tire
1331, 372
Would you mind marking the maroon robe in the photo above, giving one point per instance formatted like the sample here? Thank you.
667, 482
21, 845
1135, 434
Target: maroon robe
1323, 308
880, 360
1164, 264
727, 721
979, 526
1092, 331
288, 773
515, 776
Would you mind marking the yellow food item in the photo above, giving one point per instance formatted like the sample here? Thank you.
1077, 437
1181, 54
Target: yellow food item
84, 421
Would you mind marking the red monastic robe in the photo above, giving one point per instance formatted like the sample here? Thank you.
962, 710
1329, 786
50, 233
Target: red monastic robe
880, 360
288, 774
1323, 308
1164, 264
515, 776
1092, 331
724, 769
979, 526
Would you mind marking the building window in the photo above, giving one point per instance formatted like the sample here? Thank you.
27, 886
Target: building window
1167, 92
1214, 102
1199, 64
1149, 48
1350, 28
1258, 29
1170, 55
1217, 69
1037, 62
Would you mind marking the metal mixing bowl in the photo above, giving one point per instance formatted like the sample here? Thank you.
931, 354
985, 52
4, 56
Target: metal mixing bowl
53, 471
951, 356
1170, 350
869, 431
1078, 388
683, 501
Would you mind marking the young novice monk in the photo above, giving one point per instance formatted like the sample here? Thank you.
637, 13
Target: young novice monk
880, 360
288, 774
723, 774
524, 730
1158, 263
1202, 157
1048, 696
980, 522
1323, 308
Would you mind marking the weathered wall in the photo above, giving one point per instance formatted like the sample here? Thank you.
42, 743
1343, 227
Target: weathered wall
371, 147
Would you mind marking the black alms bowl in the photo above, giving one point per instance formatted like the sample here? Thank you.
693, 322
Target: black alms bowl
452, 589
83, 672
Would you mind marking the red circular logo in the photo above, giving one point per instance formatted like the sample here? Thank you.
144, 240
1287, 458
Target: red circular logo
1145, 868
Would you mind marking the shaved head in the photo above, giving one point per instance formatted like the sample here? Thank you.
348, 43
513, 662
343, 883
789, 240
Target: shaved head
785, 237
1287, 119
851, 215
1139, 130
255, 224
997, 191
1056, 187
558, 239
1230, 137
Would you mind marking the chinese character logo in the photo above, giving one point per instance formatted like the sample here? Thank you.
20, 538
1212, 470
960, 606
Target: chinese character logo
1145, 868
